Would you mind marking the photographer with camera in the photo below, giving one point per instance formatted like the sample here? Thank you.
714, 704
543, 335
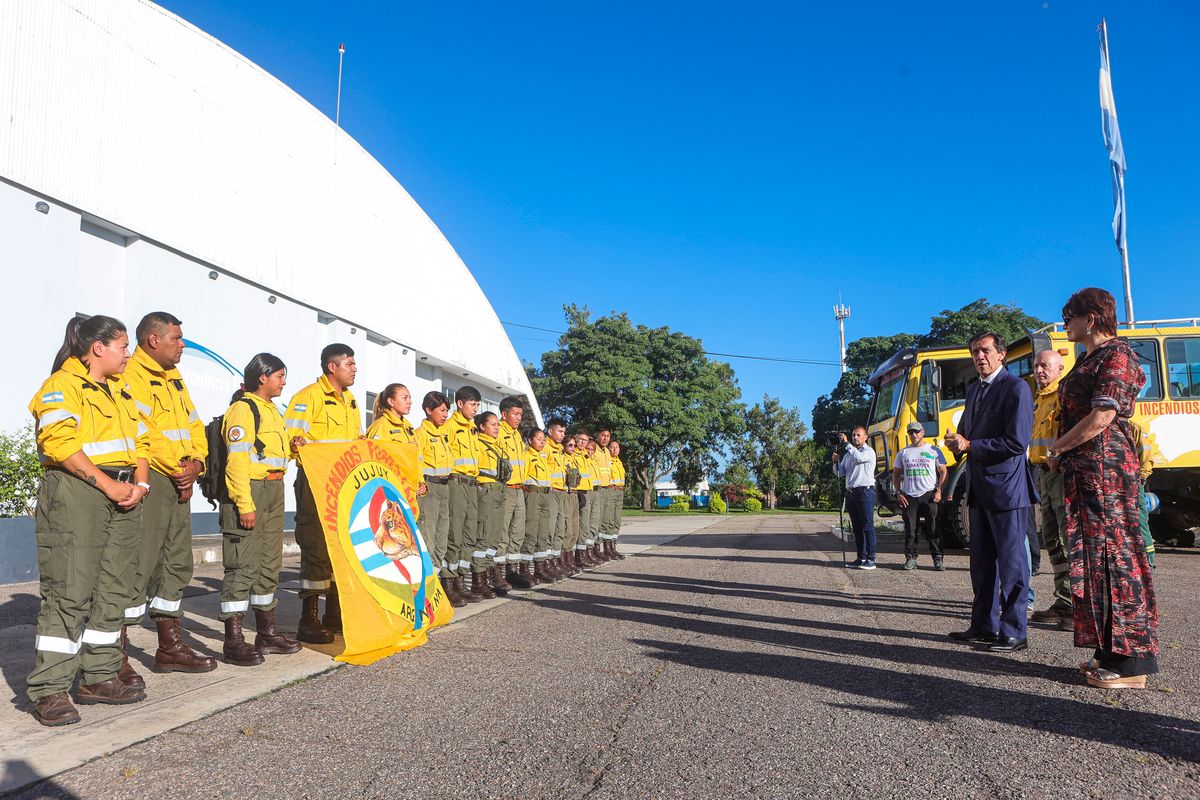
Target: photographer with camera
856, 463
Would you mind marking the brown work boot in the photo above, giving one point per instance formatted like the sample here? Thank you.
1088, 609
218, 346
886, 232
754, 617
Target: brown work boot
585, 559
573, 561
237, 651
173, 655
529, 573
479, 585
599, 554
126, 673
499, 585
465, 591
309, 628
268, 639
542, 573
613, 551
333, 610
1052, 615
110, 692
518, 578
456, 599
55, 709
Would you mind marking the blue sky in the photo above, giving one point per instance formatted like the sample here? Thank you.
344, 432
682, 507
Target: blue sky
729, 169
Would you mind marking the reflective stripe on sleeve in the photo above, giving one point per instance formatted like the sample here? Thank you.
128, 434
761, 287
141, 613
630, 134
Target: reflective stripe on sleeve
240, 447
57, 415
297, 423
178, 434
270, 461
465, 462
194, 417
56, 644
1040, 442
145, 409
142, 428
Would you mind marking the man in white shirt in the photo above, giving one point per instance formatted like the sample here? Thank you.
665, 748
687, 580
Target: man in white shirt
918, 474
856, 463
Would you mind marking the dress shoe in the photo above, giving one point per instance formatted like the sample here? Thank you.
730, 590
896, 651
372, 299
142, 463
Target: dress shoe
973, 636
110, 692
1008, 644
173, 654
55, 709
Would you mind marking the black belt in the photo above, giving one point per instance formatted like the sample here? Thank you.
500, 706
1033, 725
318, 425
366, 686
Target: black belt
861, 489
119, 474
439, 479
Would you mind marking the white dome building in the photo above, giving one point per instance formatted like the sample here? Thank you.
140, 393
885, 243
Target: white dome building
146, 166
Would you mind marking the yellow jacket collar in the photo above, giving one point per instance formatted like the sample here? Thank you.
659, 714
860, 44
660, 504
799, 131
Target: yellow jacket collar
74, 366
1052, 388
150, 365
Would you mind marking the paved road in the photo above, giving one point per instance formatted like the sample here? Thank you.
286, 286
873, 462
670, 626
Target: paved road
741, 661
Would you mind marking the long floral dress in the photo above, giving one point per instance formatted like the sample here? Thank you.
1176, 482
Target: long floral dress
1114, 607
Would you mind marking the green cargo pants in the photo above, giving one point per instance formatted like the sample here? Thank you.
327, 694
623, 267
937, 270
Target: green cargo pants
435, 523
512, 525
316, 573
87, 556
571, 541
588, 499
537, 526
1054, 534
558, 522
609, 498
252, 558
491, 518
464, 509
164, 566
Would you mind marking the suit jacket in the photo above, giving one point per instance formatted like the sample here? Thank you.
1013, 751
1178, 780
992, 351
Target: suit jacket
999, 428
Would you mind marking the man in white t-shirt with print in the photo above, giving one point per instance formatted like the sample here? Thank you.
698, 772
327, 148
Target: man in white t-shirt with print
918, 475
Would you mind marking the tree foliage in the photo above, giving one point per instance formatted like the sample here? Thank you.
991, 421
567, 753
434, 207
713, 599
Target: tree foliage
20, 472
670, 406
772, 445
848, 403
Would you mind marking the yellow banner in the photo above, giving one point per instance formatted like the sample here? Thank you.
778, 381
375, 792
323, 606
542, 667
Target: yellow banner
366, 496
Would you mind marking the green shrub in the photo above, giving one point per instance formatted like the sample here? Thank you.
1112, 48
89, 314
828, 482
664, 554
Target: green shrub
752, 504
20, 472
716, 505
679, 504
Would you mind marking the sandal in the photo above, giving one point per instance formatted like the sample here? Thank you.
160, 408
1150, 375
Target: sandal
1087, 666
1114, 680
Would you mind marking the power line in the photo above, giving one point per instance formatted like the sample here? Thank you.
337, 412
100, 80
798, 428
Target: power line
808, 361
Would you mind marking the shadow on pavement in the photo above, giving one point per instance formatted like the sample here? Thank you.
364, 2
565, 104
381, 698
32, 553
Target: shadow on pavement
940, 699
19, 773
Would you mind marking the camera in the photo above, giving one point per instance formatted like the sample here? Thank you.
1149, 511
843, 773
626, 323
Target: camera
834, 438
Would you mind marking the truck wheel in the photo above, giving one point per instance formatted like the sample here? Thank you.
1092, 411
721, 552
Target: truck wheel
955, 521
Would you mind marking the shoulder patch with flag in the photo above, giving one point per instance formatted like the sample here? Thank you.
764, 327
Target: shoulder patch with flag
53, 397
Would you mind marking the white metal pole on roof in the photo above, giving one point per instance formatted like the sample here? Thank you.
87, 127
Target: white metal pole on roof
337, 115
841, 313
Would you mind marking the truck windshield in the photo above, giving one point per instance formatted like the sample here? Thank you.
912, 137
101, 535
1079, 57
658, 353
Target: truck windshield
888, 393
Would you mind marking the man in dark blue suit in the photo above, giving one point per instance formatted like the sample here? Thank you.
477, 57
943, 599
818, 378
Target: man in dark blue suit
994, 434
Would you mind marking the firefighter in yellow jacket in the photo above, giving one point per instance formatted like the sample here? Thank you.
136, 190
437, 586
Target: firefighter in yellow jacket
177, 452
618, 491
611, 497
587, 498
463, 551
512, 524
89, 518
257, 446
537, 508
324, 411
491, 499
556, 430
1047, 370
433, 439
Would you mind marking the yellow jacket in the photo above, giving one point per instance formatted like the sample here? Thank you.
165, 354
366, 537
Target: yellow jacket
602, 474
245, 463
489, 455
319, 413
392, 427
72, 412
537, 470
1045, 422
618, 473
586, 467
513, 447
556, 460
176, 430
1145, 450
464, 444
434, 444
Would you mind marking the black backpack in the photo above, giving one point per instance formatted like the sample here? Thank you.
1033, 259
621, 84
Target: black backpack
212, 482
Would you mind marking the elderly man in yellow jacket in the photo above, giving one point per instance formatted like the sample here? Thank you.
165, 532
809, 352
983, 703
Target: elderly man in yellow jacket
1047, 369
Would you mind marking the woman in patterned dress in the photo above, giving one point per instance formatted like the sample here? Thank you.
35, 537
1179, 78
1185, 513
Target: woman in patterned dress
1114, 608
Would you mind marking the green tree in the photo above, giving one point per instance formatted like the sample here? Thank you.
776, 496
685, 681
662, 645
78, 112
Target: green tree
774, 435
957, 327
665, 400
20, 472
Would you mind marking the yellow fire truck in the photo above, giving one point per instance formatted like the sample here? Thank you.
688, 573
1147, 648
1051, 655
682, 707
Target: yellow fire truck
929, 385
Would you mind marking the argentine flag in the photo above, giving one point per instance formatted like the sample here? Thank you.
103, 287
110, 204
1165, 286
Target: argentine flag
1112, 140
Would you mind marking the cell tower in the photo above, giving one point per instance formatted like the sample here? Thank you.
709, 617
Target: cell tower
841, 313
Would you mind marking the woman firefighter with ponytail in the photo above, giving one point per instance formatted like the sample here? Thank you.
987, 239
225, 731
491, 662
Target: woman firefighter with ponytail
257, 448
89, 520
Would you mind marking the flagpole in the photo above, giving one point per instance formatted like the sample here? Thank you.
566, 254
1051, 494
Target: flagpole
1128, 288
337, 115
